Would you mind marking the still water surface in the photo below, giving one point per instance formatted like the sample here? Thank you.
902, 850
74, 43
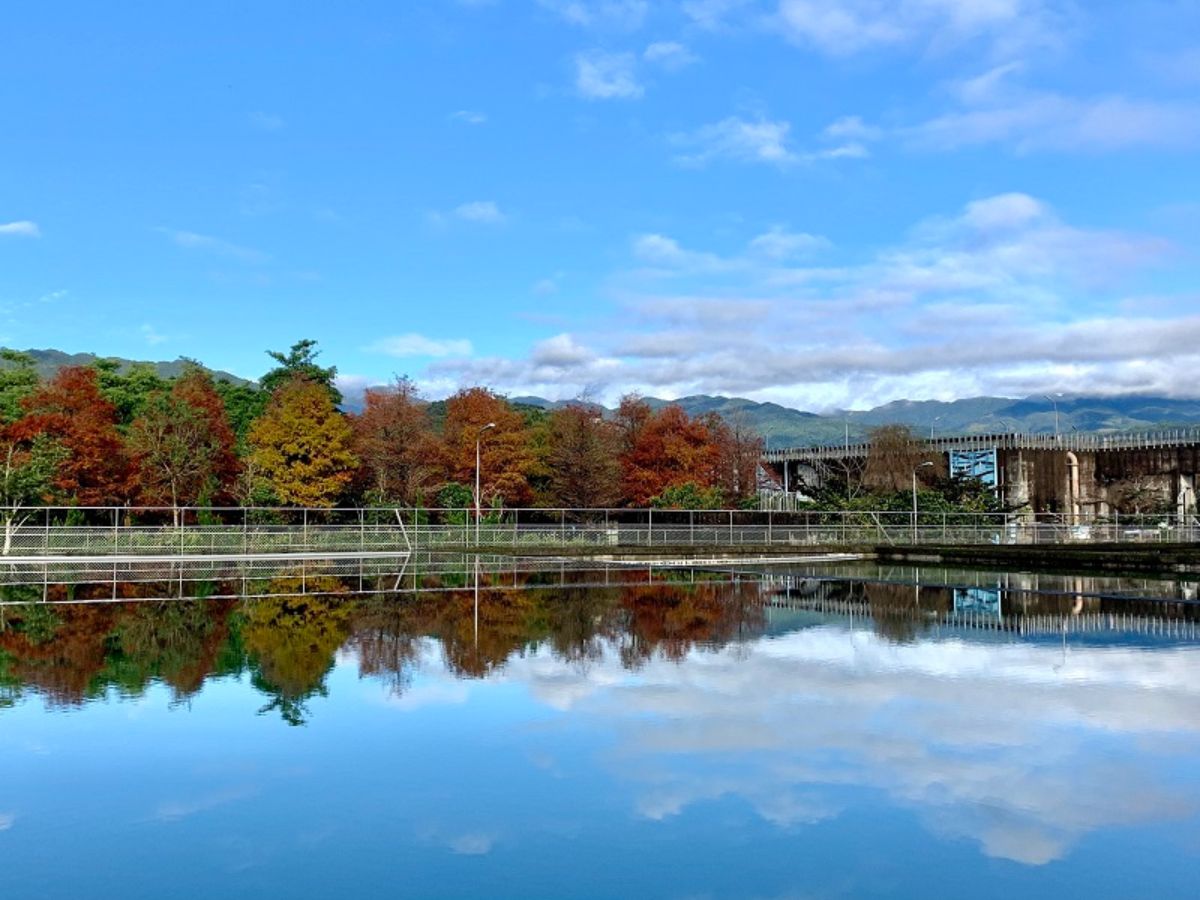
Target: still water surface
548, 731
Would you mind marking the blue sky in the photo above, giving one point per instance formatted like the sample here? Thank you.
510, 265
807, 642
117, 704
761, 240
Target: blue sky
820, 202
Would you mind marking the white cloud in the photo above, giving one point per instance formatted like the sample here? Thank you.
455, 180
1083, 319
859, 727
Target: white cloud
1045, 298
623, 15
781, 244
851, 128
20, 228
1038, 120
845, 27
759, 140
469, 117
561, 351
713, 14
768, 141
191, 240
7, 820
420, 345
671, 55
601, 75
484, 212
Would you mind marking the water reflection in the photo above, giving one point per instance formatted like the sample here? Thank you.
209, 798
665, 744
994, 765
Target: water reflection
1022, 723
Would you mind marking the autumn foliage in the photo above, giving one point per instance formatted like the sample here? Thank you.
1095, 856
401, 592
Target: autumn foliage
107, 436
504, 448
95, 469
303, 445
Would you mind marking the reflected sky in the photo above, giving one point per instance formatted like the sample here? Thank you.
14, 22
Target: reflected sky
682, 735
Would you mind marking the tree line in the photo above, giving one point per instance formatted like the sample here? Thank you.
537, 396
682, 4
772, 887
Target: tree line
101, 436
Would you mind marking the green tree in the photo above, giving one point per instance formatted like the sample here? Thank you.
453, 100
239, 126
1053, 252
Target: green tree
178, 453
688, 496
300, 361
128, 389
27, 479
243, 404
302, 445
18, 379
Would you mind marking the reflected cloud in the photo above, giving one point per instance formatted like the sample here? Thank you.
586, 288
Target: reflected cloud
7, 820
174, 810
994, 742
473, 844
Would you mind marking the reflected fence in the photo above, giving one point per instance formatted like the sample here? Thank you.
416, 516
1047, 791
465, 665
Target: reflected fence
254, 531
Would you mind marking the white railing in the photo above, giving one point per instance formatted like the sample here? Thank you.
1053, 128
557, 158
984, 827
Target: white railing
142, 531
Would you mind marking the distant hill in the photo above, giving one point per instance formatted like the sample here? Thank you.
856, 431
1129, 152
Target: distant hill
50, 361
783, 426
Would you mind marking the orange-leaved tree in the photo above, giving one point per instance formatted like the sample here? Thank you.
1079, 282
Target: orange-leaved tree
196, 388
663, 449
739, 450
183, 444
94, 469
582, 458
395, 443
302, 445
504, 450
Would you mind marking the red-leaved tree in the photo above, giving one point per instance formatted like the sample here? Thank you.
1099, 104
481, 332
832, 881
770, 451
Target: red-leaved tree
94, 469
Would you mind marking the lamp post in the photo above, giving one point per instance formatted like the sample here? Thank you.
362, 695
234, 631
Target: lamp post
478, 439
1057, 434
925, 465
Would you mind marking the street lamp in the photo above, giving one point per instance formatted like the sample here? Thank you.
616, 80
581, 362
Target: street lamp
925, 465
1057, 435
478, 439
933, 423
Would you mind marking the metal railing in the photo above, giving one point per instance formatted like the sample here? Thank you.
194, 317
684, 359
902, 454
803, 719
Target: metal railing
249, 531
1176, 437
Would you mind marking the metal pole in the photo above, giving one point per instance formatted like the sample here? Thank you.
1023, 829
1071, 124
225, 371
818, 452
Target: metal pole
478, 438
914, 509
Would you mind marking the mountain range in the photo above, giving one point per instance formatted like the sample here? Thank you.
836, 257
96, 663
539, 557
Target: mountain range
782, 426
47, 362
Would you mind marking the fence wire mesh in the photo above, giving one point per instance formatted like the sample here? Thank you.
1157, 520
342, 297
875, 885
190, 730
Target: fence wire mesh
130, 531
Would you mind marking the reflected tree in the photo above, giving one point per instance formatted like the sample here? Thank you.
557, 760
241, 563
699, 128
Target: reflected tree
291, 640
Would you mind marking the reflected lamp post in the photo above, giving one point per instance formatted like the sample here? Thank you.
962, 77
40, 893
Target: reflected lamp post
925, 465
478, 440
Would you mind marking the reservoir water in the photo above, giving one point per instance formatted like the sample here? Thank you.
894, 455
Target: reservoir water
450, 727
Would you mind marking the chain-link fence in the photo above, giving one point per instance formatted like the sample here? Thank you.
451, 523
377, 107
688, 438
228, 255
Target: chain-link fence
140, 531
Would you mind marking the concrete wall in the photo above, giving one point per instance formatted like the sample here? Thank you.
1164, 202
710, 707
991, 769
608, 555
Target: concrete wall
1085, 484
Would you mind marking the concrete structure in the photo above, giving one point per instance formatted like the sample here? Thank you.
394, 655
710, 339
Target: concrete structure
1080, 476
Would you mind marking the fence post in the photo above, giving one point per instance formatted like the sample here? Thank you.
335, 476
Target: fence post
305, 533
362, 531
731, 528
650, 529
116, 535
770, 530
